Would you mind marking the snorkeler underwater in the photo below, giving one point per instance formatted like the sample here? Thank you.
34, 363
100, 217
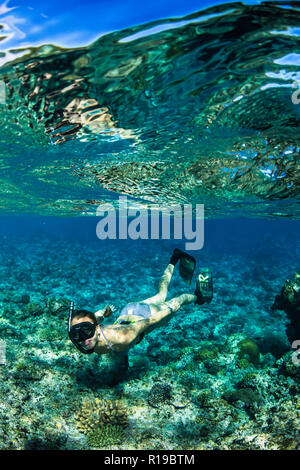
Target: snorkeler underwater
149, 225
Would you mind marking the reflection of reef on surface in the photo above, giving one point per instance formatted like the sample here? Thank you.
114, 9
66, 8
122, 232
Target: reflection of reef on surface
178, 117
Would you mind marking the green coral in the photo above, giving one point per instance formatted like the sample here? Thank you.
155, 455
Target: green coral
248, 349
100, 413
104, 436
243, 363
186, 350
103, 421
206, 353
21, 365
49, 334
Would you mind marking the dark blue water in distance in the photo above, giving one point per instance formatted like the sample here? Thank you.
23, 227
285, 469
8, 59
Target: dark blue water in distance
232, 236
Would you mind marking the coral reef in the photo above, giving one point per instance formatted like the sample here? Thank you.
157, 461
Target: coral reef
248, 349
100, 413
103, 421
159, 393
219, 376
246, 395
105, 436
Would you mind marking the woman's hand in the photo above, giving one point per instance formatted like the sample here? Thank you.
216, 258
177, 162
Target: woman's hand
109, 310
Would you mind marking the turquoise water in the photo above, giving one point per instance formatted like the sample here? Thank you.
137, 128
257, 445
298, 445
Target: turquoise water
193, 110
48, 261
174, 111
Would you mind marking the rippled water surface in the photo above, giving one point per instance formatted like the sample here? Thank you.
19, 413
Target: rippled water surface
191, 110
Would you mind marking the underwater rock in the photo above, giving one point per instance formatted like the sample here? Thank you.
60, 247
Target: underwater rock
139, 362
48, 441
180, 397
34, 308
9, 330
273, 342
246, 395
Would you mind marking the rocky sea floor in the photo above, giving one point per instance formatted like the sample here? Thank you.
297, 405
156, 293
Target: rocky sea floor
219, 376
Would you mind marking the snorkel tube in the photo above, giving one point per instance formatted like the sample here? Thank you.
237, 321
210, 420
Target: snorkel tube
74, 341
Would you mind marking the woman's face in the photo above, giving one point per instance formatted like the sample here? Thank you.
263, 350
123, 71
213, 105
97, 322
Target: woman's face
89, 343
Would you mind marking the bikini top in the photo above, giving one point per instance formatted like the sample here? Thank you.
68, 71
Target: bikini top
138, 309
110, 347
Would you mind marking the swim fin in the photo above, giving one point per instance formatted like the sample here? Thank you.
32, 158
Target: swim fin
204, 286
187, 266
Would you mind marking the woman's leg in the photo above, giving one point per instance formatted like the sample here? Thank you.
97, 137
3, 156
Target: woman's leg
164, 282
174, 304
162, 313
177, 302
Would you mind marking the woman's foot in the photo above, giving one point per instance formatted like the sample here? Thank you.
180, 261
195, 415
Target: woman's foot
186, 266
176, 255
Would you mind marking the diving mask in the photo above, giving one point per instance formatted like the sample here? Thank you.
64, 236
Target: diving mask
80, 332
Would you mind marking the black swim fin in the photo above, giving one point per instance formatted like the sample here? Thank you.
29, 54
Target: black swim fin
187, 265
204, 286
